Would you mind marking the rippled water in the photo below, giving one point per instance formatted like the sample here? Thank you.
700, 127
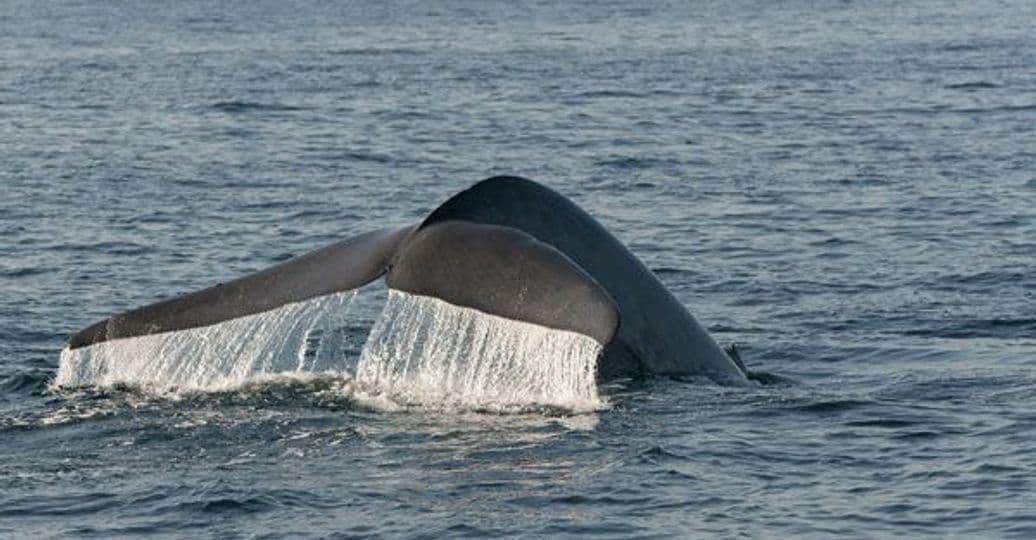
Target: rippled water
844, 189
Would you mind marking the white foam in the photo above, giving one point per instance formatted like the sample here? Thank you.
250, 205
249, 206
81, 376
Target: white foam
423, 350
306, 336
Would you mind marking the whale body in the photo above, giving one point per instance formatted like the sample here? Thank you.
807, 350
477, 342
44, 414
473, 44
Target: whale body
507, 246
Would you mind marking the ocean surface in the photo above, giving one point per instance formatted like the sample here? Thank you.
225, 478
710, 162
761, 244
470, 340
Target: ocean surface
847, 190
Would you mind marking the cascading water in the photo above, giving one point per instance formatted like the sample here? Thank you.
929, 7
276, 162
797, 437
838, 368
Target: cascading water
423, 350
420, 351
301, 337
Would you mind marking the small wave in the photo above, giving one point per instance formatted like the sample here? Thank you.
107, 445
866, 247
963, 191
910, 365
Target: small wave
888, 423
629, 162
593, 94
1002, 108
369, 157
921, 435
833, 406
963, 47
834, 241
976, 85
25, 382
988, 277
99, 65
375, 51
944, 109
108, 247
956, 387
60, 505
979, 328
235, 106
24, 272
227, 505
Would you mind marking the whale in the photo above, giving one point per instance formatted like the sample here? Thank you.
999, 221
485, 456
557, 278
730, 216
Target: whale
507, 246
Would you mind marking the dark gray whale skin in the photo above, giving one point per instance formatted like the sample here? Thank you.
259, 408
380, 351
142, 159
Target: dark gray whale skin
656, 334
505, 272
507, 246
342, 266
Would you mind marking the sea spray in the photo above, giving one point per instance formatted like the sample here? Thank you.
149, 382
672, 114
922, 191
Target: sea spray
305, 336
423, 350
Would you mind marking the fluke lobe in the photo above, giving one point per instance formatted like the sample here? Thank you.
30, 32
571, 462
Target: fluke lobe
506, 246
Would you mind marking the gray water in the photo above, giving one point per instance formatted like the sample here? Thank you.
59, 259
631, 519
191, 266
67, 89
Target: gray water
845, 189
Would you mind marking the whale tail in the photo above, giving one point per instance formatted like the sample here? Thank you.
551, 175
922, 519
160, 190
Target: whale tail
496, 270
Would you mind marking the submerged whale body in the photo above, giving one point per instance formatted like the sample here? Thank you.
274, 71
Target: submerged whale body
507, 246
